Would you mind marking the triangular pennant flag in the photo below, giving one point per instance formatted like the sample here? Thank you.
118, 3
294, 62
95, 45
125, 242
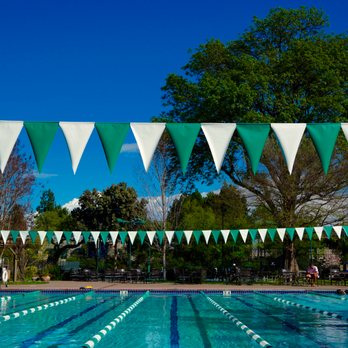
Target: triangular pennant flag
244, 234
14, 235
49, 236
113, 235
218, 136
235, 234
338, 230
76, 135
33, 235
289, 136
58, 235
188, 235
41, 136
206, 234
291, 232
197, 234
23, 235
151, 236
9, 132
225, 234
104, 236
345, 229
281, 233
300, 231
254, 137
147, 136
328, 231
95, 235
85, 235
272, 232
263, 233
216, 234
319, 231
4, 235
309, 231
77, 236
184, 136
112, 136
169, 235
324, 137
123, 235
179, 235
67, 235
42, 235
132, 235
253, 234
344, 127
160, 236
142, 235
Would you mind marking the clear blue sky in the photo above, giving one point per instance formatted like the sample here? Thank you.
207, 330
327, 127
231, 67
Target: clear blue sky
87, 60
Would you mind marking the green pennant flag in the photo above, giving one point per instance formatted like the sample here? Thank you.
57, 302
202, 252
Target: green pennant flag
254, 137
41, 136
272, 232
112, 136
49, 235
235, 234
14, 235
142, 235
184, 136
328, 231
324, 137
179, 235
345, 229
123, 235
291, 232
33, 235
67, 235
253, 234
197, 234
216, 234
104, 236
309, 231
85, 235
160, 236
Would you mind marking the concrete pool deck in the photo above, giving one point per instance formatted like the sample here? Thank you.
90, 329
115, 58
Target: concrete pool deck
100, 285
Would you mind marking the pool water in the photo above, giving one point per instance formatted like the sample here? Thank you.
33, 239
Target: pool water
176, 320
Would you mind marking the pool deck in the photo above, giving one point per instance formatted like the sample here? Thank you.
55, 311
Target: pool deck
100, 285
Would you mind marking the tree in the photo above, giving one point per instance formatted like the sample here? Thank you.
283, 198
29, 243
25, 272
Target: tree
284, 68
47, 201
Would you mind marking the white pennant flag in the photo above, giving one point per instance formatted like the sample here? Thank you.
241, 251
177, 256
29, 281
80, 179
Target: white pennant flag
4, 235
42, 235
338, 231
218, 136
169, 235
262, 233
151, 236
244, 234
147, 136
300, 231
289, 136
95, 235
318, 231
113, 235
225, 234
76, 135
23, 235
9, 132
76, 235
344, 127
281, 233
58, 235
188, 235
132, 235
206, 234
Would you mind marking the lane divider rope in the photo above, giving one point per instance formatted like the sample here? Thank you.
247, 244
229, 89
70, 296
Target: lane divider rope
43, 307
5, 298
252, 334
313, 309
103, 332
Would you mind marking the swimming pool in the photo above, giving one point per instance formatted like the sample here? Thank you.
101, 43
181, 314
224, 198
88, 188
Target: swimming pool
162, 319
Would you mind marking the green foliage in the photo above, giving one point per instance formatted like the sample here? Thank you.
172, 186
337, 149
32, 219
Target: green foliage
57, 219
30, 272
47, 202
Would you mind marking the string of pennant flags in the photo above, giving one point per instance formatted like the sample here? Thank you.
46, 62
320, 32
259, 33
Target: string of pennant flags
184, 135
196, 235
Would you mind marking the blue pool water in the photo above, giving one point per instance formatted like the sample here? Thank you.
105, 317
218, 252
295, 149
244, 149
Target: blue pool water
175, 320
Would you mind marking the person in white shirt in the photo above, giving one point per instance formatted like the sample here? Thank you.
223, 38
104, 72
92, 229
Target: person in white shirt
313, 274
